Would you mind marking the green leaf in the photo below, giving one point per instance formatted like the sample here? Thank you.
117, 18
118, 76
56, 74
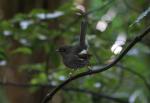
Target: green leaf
19, 17
2, 54
50, 49
33, 67
39, 78
23, 50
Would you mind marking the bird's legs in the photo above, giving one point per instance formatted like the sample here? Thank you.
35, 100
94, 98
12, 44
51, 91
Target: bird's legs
71, 72
89, 67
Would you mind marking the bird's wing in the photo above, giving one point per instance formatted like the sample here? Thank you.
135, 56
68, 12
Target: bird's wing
84, 54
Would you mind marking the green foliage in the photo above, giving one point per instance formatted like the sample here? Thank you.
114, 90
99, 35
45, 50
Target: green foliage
72, 97
3, 55
33, 67
40, 78
22, 50
3, 98
39, 38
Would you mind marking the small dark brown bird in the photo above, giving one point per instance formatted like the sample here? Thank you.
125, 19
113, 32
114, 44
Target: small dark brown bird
76, 56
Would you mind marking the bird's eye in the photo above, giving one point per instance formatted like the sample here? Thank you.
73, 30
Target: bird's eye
62, 50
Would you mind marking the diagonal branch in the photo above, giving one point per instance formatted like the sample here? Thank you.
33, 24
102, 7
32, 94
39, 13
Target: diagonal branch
136, 40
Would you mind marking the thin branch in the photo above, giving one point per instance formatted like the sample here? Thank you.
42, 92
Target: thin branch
86, 73
121, 74
25, 85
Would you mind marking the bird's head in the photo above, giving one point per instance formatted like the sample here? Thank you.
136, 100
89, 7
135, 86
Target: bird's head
65, 50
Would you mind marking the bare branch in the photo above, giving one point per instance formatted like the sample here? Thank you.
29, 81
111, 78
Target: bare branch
136, 40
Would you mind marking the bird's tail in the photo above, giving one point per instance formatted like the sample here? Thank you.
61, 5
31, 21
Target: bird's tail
83, 29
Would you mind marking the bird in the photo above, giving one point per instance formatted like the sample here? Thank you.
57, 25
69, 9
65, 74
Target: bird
76, 56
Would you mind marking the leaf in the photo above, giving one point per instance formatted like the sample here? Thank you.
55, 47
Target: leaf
2, 54
33, 67
23, 50
39, 78
141, 16
50, 49
5, 25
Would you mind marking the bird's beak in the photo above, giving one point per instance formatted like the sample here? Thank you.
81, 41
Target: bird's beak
57, 50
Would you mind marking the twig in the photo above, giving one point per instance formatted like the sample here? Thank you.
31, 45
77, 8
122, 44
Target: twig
136, 40
124, 68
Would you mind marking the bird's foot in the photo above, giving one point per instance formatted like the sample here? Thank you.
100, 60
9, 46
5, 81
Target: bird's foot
71, 73
89, 68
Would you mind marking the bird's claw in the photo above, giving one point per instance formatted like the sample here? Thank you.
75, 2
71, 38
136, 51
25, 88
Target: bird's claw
89, 68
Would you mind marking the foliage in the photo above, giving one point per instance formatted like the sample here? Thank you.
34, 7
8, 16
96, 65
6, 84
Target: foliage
41, 31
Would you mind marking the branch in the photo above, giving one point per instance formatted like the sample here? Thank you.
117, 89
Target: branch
25, 85
136, 40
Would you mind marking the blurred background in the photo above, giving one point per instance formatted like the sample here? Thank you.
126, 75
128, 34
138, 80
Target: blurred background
31, 31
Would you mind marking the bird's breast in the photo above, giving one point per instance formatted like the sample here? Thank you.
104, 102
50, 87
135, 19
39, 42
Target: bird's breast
76, 63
